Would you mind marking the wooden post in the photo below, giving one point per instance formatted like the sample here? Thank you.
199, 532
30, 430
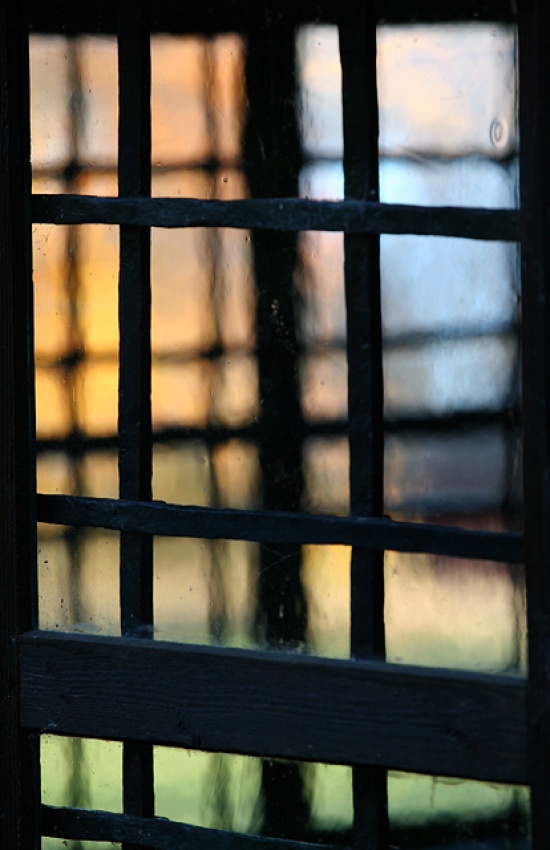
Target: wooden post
534, 30
19, 792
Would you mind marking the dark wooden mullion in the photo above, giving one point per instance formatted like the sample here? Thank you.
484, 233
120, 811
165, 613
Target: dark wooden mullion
134, 416
285, 527
273, 160
357, 32
534, 33
19, 779
282, 214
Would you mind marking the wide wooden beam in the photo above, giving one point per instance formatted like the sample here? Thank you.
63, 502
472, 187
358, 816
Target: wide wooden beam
276, 704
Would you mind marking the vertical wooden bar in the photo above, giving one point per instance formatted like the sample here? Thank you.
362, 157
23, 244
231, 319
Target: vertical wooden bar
134, 416
534, 38
19, 785
273, 157
357, 31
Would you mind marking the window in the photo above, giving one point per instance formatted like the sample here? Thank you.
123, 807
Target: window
193, 444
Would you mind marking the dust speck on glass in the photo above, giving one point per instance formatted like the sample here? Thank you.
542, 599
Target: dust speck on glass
448, 137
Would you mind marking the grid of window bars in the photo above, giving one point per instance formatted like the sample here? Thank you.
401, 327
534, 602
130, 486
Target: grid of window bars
362, 219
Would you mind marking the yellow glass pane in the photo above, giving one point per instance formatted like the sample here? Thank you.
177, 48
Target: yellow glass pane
98, 79
97, 397
442, 612
235, 391
52, 308
182, 280
53, 408
180, 132
50, 79
236, 471
182, 393
98, 263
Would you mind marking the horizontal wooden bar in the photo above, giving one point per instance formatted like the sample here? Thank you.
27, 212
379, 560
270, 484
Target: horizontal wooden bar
66, 16
276, 704
164, 520
160, 833
288, 214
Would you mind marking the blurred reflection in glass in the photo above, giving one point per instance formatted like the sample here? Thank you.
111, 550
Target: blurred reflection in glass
246, 325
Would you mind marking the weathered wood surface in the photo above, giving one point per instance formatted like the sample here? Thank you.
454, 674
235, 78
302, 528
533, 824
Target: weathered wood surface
275, 704
290, 214
166, 520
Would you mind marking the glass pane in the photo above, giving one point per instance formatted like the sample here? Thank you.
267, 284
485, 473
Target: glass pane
445, 378
447, 286
447, 90
448, 113
83, 773
98, 101
451, 379
198, 116
320, 103
326, 466
326, 579
198, 100
76, 330
311, 802
51, 83
92, 774
203, 322
467, 475
267, 797
446, 612
457, 814
74, 111
464, 182
205, 591
78, 584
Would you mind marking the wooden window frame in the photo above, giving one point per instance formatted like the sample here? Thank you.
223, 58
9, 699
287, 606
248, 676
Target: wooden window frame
363, 712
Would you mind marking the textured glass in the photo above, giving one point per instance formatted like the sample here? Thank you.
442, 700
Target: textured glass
446, 612
243, 322
447, 90
460, 475
198, 99
51, 83
458, 814
78, 584
204, 591
83, 773
74, 111
76, 329
221, 791
447, 105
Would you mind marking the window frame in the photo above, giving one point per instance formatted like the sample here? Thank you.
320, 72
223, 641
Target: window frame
386, 715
